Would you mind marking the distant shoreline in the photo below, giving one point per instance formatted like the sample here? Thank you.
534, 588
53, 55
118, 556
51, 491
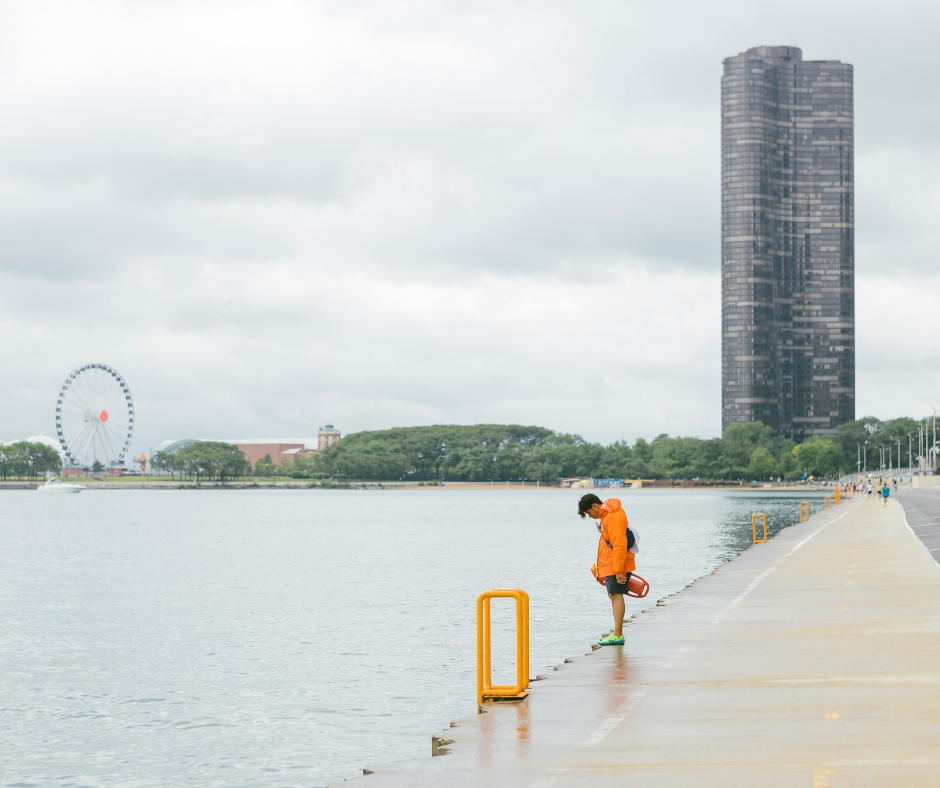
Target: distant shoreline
301, 484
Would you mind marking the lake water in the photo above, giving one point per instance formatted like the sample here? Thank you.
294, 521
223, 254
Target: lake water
291, 638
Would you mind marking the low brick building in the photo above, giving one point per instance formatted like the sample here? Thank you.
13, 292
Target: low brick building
280, 449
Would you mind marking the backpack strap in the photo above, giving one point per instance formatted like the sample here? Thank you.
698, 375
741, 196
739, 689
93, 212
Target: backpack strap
631, 539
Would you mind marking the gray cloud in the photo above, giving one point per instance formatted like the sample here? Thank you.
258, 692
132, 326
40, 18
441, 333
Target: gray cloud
292, 212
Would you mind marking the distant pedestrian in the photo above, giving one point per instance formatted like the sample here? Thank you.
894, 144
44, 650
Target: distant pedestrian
885, 492
869, 489
895, 483
615, 558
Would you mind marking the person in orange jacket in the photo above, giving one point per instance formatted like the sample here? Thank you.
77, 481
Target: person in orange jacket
615, 561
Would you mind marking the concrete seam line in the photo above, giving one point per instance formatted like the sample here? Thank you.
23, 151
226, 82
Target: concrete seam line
908, 526
737, 600
751, 586
601, 732
812, 535
757, 580
608, 725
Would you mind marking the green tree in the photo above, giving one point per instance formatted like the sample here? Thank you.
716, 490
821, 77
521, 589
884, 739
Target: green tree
265, 466
6, 461
28, 459
482, 452
737, 445
301, 467
675, 458
708, 460
474, 452
13, 461
818, 457
164, 463
43, 459
211, 460
763, 465
872, 433
642, 450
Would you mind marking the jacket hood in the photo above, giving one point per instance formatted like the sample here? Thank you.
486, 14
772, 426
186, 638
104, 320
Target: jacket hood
611, 504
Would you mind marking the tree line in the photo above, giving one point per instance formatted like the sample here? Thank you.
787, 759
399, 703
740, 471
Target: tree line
511, 452
485, 452
203, 460
28, 460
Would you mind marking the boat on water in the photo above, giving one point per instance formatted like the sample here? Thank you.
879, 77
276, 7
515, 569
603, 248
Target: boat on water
55, 486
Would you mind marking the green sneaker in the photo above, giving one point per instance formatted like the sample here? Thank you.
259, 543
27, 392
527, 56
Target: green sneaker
611, 640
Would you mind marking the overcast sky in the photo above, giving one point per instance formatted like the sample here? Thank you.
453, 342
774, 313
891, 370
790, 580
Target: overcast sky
271, 215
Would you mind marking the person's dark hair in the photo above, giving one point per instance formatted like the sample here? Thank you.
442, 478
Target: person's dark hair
586, 502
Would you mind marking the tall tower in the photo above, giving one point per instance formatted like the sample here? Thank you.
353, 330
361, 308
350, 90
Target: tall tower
787, 242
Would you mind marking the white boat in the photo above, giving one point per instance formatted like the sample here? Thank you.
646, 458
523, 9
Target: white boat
55, 486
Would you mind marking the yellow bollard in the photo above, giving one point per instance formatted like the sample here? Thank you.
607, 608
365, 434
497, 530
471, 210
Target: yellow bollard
827, 502
804, 510
754, 527
486, 690
838, 500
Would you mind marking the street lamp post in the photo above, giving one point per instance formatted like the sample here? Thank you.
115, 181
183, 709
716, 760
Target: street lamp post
928, 464
935, 440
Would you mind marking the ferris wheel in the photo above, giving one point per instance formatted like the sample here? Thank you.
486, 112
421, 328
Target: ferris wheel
94, 416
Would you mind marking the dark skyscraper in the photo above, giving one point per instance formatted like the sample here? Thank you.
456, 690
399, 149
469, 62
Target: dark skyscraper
787, 242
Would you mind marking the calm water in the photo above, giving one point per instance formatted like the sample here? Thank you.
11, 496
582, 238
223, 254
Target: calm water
290, 638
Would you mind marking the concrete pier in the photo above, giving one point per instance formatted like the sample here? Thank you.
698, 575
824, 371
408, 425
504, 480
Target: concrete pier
812, 660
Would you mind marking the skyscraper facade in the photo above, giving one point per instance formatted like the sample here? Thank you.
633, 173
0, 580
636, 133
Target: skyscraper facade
787, 242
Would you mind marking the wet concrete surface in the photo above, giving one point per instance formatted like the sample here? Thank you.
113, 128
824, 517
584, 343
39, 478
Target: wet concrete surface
922, 508
811, 660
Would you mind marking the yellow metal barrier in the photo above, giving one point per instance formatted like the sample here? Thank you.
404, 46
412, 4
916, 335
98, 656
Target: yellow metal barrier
804, 510
827, 502
754, 527
838, 498
486, 690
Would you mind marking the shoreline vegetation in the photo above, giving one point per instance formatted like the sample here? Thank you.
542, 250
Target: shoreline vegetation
516, 453
494, 454
164, 483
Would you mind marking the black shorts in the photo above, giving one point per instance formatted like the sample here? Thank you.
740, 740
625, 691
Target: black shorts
613, 587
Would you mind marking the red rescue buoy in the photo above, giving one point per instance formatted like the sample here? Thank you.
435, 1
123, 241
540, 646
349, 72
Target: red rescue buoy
639, 588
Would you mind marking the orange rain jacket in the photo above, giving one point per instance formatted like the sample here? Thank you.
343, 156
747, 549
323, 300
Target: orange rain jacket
617, 558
